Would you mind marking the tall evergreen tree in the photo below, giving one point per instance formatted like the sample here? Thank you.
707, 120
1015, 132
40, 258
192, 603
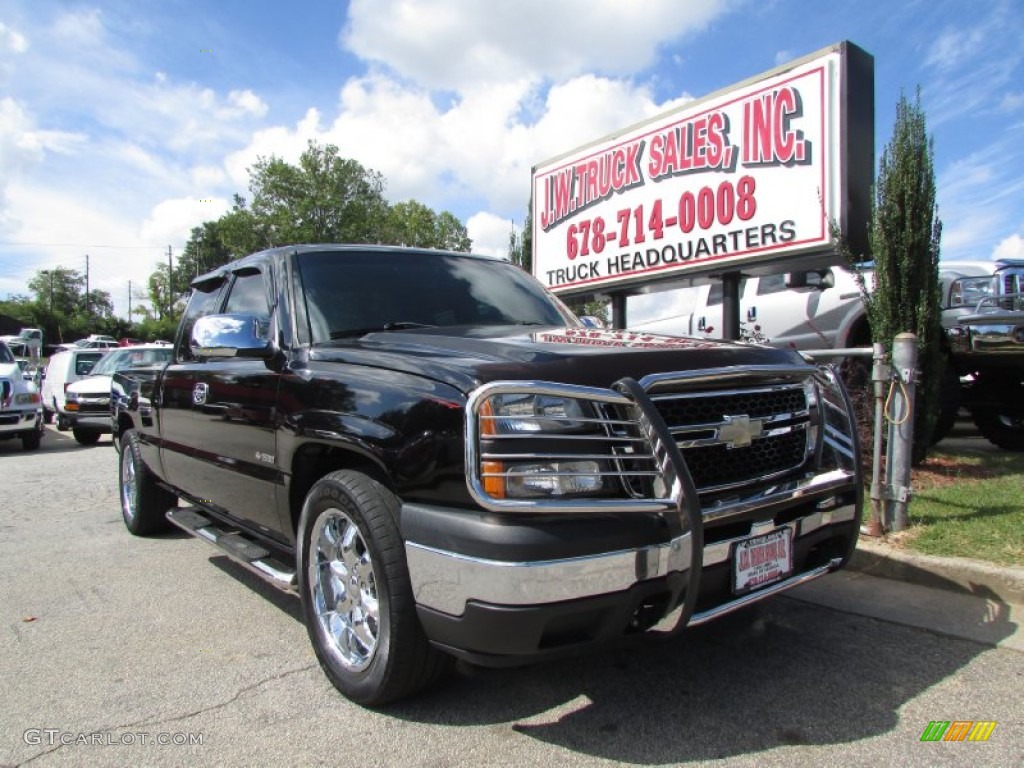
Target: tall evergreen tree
904, 240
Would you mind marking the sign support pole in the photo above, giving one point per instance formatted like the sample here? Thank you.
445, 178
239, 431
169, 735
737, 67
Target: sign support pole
618, 310
731, 306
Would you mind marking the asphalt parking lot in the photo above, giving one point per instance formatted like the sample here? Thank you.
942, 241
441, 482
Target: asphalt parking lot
124, 651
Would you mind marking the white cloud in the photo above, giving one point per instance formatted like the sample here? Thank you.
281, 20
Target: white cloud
490, 233
506, 40
84, 226
1011, 247
23, 146
247, 102
12, 40
481, 146
951, 48
171, 221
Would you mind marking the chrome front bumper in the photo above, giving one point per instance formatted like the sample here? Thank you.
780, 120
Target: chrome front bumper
446, 581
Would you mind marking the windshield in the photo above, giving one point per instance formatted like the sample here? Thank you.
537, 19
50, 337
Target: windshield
5, 353
350, 293
129, 357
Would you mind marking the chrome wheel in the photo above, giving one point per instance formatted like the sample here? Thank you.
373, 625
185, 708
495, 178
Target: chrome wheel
129, 487
344, 590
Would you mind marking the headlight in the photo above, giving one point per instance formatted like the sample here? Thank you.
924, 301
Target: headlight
26, 398
527, 456
518, 413
556, 478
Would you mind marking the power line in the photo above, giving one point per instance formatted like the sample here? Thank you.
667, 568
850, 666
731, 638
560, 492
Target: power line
82, 245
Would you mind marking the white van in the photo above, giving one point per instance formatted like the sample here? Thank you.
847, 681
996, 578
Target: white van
65, 367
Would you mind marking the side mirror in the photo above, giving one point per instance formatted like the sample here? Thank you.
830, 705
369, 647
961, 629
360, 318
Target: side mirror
238, 335
590, 321
796, 279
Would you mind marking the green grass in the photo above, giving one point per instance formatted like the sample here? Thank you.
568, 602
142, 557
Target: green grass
968, 504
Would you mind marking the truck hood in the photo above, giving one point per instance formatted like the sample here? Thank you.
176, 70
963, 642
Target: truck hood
466, 357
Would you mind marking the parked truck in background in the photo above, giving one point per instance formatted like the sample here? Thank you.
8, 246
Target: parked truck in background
443, 462
982, 314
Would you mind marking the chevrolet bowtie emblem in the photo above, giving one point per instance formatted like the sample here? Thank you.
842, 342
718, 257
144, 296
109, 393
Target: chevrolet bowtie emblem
739, 431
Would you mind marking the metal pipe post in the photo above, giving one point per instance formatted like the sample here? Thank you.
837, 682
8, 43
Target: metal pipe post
880, 375
900, 412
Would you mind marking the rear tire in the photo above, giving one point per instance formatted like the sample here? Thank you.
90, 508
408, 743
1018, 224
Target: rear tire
1000, 428
949, 403
144, 504
356, 594
47, 416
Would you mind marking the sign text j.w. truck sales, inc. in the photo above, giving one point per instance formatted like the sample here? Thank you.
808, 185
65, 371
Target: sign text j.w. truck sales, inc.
739, 178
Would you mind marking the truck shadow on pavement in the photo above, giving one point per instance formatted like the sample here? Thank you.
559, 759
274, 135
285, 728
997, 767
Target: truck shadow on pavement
783, 672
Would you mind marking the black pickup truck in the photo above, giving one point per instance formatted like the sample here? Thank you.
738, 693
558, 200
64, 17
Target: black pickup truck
443, 462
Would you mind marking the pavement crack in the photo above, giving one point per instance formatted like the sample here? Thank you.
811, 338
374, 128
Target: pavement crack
177, 718
238, 694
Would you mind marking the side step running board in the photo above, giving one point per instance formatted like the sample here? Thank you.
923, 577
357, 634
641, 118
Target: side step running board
233, 544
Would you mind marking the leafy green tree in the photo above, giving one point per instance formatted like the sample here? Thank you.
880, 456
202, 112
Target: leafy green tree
166, 302
207, 248
520, 252
325, 199
414, 224
520, 247
904, 240
450, 234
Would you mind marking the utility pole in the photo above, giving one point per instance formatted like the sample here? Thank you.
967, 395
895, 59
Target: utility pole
129, 301
170, 292
87, 285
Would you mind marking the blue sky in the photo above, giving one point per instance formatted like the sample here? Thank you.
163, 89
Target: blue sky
124, 123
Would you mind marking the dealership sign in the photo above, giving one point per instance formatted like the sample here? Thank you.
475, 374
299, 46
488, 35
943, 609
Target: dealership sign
744, 178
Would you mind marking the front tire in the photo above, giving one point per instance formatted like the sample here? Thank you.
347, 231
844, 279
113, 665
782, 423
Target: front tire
144, 504
86, 436
356, 594
30, 440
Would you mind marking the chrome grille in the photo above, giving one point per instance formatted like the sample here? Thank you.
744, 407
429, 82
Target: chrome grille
94, 406
733, 437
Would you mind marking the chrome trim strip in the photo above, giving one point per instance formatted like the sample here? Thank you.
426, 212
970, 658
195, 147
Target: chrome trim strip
797, 416
770, 389
717, 439
487, 456
702, 618
716, 375
838, 479
446, 581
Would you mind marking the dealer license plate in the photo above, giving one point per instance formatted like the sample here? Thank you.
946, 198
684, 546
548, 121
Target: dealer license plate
762, 560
